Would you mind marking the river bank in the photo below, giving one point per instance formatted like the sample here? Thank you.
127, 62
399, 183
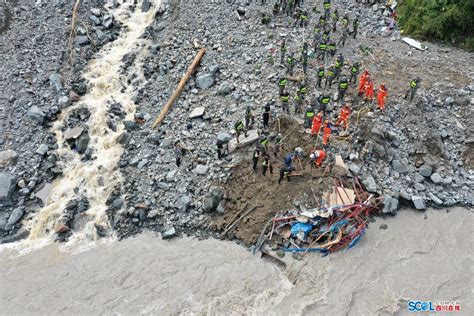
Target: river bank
420, 255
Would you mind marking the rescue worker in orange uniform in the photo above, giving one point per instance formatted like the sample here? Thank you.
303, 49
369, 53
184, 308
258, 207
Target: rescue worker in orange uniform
344, 116
382, 94
364, 77
369, 90
317, 158
316, 125
327, 131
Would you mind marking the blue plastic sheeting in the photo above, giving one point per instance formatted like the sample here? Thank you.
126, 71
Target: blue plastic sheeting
301, 227
337, 226
356, 240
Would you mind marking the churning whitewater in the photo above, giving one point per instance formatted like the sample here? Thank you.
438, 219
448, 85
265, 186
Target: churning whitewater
95, 179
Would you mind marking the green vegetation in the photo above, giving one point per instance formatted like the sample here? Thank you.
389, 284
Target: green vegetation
451, 21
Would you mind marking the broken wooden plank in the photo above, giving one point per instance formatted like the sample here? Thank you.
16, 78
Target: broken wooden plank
180, 87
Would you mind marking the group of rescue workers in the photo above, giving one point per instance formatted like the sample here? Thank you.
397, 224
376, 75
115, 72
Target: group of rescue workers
319, 112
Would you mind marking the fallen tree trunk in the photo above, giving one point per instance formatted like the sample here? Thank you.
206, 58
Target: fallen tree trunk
178, 90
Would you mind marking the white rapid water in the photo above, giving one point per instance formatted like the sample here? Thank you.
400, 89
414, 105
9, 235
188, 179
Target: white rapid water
106, 84
420, 256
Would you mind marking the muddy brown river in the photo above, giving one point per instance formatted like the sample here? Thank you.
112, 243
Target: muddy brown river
420, 256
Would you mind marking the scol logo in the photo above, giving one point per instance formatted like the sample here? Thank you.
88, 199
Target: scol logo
420, 306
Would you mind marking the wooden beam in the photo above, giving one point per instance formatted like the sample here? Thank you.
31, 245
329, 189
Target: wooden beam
180, 87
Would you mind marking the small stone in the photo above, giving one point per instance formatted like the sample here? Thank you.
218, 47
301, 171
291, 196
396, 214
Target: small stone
42, 149
354, 168
225, 88
419, 187
197, 112
399, 167
436, 178
204, 80
21, 184
184, 202
425, 170
201, 169
224, 137
56, 81
171, 176
36, 114
73, 133
418, 202
142, 163
370, 184
82, 40
383, 226
435, 199
95, 11
280, 253
390, 205
169, 233
82, 143
61, 228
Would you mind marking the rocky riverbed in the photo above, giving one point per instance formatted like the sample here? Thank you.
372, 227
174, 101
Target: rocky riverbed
420, 153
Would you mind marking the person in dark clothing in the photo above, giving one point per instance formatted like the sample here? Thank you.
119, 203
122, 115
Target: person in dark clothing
266, 115
266, 164
285, 171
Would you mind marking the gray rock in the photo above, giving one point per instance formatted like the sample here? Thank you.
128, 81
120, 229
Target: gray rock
55, 80
146, 6
390, 205
184, 202
42, 149
213, 199
124, 138
36, 114
94, 19
163, 186
354, 168
101, 36
419, 187
21, 184
43, 194
398, 166
449, 100
82, 143
171, 176
418, 202
169, 233
205, 80
425, 170
142, 163
370, 184
14, 218
95, 11
435, 199
64, 101
225, 88
197, 112
82, 40
108, 20
73, 133
224, 137
201, 169
7, 157
7, 186
436, 178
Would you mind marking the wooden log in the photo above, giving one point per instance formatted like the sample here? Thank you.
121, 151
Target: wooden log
180, 87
